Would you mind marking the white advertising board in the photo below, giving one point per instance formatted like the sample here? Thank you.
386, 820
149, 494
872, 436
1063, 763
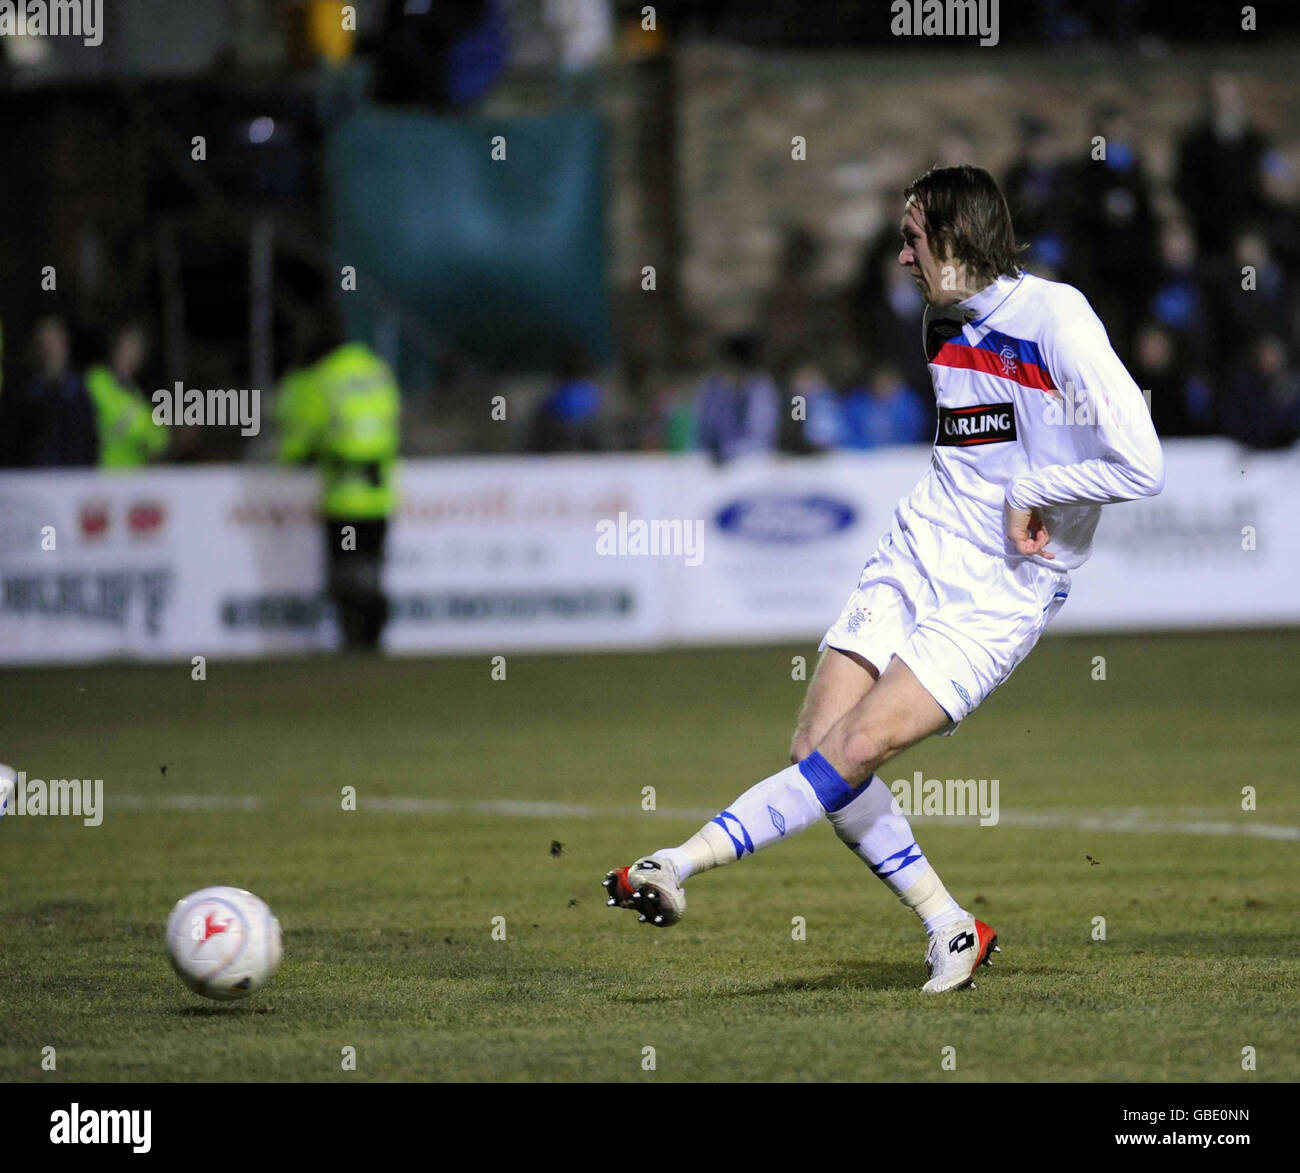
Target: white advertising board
501, 554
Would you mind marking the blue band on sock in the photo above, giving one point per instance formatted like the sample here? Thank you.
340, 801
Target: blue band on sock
744, 843
831, 790
897, 862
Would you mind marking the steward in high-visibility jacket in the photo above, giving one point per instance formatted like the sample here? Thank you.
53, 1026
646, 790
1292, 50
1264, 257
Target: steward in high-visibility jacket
128, 436
343, 414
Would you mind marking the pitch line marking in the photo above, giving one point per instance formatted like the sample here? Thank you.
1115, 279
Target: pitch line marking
1135, 820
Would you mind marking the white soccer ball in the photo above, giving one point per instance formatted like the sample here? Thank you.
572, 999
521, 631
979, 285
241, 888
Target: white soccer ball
224, 943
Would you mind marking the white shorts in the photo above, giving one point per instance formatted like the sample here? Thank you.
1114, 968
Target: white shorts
959, 618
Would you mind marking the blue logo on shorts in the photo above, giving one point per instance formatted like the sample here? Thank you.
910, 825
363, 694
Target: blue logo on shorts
961, 692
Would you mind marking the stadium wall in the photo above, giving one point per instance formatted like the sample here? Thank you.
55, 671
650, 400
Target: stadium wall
499, 555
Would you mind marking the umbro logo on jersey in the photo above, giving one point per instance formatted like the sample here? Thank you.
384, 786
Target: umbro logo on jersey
987, 423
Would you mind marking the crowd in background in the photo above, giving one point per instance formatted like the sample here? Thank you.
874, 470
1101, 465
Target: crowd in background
1199, 301
1197, 294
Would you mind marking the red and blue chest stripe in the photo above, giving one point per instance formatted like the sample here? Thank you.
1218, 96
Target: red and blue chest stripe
1000, 355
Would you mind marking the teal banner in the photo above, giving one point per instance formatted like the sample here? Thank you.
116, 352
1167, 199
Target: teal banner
488, 232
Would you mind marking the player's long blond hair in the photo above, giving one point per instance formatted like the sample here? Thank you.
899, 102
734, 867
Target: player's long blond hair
967, 220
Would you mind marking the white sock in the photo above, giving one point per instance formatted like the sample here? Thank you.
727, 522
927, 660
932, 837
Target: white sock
775, 809
879, 835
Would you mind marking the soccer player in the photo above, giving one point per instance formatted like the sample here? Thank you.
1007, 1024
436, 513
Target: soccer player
1039, 426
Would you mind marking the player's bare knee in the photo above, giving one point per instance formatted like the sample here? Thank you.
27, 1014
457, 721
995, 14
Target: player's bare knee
801, 746
865, 749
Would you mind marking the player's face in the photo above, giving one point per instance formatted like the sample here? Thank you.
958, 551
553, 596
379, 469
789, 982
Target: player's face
925, 268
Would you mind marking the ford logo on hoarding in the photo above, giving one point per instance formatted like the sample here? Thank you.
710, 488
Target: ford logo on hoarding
786, 520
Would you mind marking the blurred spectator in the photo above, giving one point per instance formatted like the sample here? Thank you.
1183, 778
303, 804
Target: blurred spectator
441, 53
888, 308
887, 411
569, 418
48, 421
1219, 175
582, 30
1179, 302
1261, 407
788, 323
1180, 401
128, 436
739, 407
1112, 247
800, 318
824, 419
671, 425
1034, 190
1263, 307
1280, 220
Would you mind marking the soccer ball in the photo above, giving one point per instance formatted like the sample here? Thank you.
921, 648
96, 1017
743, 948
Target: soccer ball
224, 943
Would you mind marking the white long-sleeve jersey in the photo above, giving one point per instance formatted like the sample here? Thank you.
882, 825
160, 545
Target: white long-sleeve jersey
1035, 410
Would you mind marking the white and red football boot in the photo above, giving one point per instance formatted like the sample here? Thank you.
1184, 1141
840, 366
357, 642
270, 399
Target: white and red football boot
955, 952
649, 886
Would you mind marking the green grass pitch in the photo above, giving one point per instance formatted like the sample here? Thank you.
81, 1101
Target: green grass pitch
388, 914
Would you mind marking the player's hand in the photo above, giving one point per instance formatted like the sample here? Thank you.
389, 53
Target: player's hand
1026, 531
